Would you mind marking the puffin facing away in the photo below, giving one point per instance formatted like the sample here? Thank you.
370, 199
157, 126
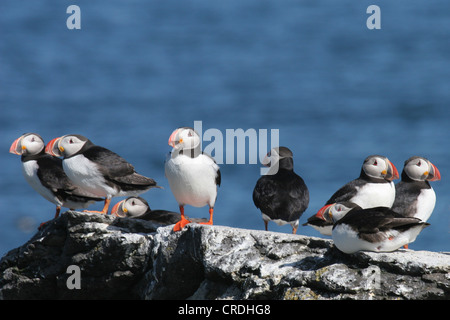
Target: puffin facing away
193, 175
283, 196
373, 188
97, 169
414, 195
138, 208
376, 229
46, 175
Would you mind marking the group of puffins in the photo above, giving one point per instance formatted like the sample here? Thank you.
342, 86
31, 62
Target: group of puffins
369, 213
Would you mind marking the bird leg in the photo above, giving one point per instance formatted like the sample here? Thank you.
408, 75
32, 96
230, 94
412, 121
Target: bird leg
58, 210
180, 224
211, 213
266, 223
105, 207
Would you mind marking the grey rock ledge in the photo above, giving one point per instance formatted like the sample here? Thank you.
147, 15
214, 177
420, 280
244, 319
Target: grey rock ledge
121, 258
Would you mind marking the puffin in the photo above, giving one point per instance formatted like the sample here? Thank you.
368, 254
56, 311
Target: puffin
194, 176
378, 229
414, 195
138, 208
97, 169
281, 195
373, 188
45, 174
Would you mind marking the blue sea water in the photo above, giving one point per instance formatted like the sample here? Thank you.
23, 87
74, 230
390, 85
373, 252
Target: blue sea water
136, 70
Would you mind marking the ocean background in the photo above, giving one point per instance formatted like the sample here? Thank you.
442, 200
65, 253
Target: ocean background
336, 91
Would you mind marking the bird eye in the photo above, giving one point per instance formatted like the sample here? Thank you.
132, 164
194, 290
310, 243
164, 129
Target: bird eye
133, 203
419, 163
190, 134
71, 141
375, 163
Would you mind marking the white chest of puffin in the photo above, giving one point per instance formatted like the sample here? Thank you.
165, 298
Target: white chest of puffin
193, 176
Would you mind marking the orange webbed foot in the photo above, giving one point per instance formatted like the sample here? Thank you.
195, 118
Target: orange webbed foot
104, 210
211, 213
180, 224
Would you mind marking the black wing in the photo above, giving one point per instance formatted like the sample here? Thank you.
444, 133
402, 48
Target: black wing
116, 169
346, 192
52, 176
111, 164
372, 223
406, 194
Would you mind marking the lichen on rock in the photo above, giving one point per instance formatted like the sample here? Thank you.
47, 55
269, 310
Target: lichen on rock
123, 258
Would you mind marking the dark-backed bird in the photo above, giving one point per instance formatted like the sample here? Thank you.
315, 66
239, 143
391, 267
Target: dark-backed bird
138, 208
281, 195
97, 169
377, 229
414, 196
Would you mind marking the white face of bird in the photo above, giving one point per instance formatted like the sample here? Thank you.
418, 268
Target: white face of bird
380, 167
334, 212
27, 144
130, 207
421, 169
184, 138
66, 145
135, 206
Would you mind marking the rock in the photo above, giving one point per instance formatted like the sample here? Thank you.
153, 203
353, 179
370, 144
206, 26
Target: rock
122, 258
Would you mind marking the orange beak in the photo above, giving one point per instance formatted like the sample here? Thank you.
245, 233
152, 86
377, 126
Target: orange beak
16, 147
392, 172
172, 141
320, 213
115, 209
52, 148
434, 174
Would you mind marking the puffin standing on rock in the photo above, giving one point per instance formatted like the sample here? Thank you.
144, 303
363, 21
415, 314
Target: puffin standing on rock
193, 175
376, 229
373, 188
97, 169
46, 175
282, 196
414, 195
138, 208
